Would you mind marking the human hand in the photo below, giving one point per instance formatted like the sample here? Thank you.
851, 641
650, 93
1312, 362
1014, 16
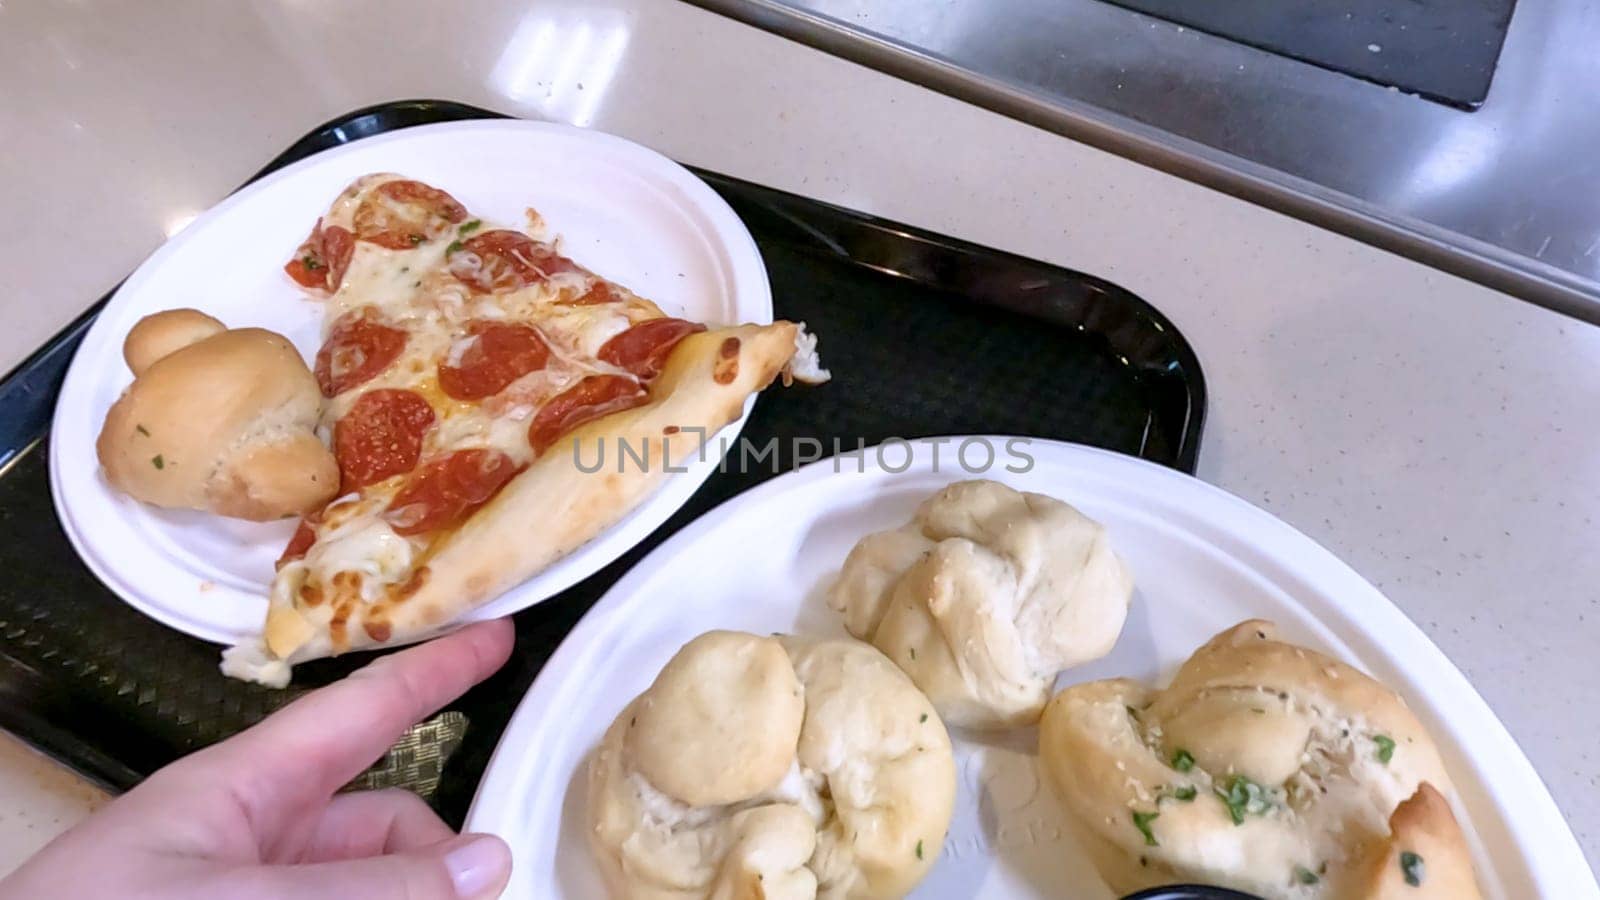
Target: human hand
256, 816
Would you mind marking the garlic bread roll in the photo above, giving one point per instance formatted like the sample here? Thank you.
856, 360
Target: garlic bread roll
1264, 767
217, 420
773, 767
984, 597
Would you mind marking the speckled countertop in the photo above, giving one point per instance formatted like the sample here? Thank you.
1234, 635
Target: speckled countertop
1433, 433
41, 800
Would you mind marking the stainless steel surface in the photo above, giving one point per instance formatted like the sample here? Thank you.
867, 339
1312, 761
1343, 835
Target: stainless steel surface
1508, 195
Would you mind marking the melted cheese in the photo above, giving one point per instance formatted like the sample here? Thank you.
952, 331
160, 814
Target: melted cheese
583, 330
476, 428
343, 210
253, 662
367, 546
806, 366
571, 284
458, 350
392, 280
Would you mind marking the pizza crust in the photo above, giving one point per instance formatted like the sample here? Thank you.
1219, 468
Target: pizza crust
546, 512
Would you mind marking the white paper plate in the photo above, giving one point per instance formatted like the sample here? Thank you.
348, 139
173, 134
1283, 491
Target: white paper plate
1202, 559
623, 211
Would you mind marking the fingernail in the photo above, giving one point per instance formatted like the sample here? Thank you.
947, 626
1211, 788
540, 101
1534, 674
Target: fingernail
477, 866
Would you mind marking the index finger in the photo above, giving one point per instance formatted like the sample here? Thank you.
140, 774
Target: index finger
316, 744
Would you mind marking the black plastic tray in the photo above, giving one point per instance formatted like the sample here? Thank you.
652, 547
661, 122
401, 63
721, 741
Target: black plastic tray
925, 336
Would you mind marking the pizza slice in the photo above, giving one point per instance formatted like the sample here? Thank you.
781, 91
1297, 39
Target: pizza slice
475, 378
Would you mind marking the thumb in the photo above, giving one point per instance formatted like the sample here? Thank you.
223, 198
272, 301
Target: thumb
469, 867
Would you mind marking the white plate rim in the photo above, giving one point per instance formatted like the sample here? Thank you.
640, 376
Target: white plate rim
752, 295
1542, 839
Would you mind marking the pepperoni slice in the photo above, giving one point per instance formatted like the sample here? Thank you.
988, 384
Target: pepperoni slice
499, 261
643, 349
381, 436
449, 489
499, 353
589, 399
358, 348
304, 536
322, 258
402, 214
